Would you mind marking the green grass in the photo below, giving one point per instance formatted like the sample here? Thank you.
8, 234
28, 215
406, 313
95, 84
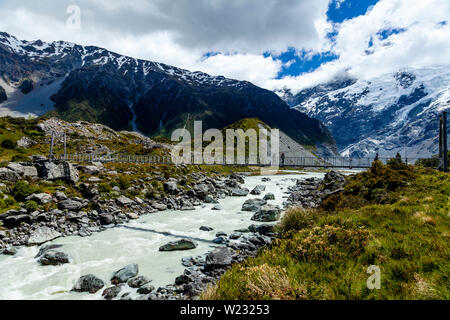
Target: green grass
325, 253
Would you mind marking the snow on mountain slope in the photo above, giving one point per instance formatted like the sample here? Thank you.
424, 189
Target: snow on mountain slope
93, 84
396, 112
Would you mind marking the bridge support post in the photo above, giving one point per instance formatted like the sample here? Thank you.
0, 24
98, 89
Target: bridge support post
443, 147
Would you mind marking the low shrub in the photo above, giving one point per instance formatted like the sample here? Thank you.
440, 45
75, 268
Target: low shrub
104, 187
22, 189
297, 219
31, 205
8, 144
124, 182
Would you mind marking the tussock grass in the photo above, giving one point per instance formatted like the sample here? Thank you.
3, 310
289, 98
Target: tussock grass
324, 253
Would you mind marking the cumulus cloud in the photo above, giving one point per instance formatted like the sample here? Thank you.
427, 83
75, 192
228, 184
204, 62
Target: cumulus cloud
393, 34
184, 33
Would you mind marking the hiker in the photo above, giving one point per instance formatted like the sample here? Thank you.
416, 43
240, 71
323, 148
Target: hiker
282, 159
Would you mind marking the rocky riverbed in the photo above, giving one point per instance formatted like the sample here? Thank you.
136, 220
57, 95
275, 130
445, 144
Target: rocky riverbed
188, 241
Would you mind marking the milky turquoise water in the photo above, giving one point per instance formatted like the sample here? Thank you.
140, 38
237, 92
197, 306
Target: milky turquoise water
22, 277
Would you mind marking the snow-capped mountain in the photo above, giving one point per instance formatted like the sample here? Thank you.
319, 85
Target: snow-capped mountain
396, 112
77, 82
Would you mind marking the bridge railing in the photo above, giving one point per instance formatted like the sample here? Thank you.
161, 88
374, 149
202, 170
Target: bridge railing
327, 162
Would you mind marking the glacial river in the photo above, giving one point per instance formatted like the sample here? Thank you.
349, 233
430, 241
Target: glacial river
22, 277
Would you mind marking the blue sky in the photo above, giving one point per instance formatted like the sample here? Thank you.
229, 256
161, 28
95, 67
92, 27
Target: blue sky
272, 43
301, 62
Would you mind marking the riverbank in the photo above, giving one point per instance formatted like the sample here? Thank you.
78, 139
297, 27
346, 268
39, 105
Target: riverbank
393, 217
137, 241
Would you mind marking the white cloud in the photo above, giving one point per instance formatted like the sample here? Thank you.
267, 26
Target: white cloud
423, 42
181, 32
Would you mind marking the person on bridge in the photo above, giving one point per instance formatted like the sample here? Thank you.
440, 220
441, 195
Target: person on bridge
282, 159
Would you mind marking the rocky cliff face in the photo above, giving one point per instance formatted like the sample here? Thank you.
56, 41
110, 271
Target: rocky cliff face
3, 96
93, 84
385, 114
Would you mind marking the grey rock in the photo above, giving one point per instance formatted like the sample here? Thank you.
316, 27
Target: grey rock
220, 240
106, 218
171, 187
253, 205
204, 228
84, 232
46, 248
91, 170
60, 195
216, 208
27, 171
219, 258
269, 196
235, 235
25, 142
124, 201
70, 205
42, 235
53, 258
125, 274
41, 198
261, 229
146, 289
159, 206
62, 170
8, 175
138, 282
239, 192
221, 234
111, 292
9, 251
209, 199
267, 213
183, 244
258, 190
88, 283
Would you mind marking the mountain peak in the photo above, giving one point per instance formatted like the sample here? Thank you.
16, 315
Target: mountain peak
94, 84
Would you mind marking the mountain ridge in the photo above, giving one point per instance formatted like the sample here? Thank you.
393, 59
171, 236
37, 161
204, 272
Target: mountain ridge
153, 98
385, 114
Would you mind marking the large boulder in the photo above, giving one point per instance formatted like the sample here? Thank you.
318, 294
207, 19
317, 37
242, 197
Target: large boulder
269, 196
46, 248
53, 258
263, 229
124, 201
219, 258
183, 244
8, 251
91, 170
201, 190
267, 213
125, 274
42, 235
239, 192
71, 205
146, 289
112, 292
9, 175
258, 190
171, 187
138, 282
26, 171
253, 205
88, 283
12, 221
41, 198
58, 170
25, 142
